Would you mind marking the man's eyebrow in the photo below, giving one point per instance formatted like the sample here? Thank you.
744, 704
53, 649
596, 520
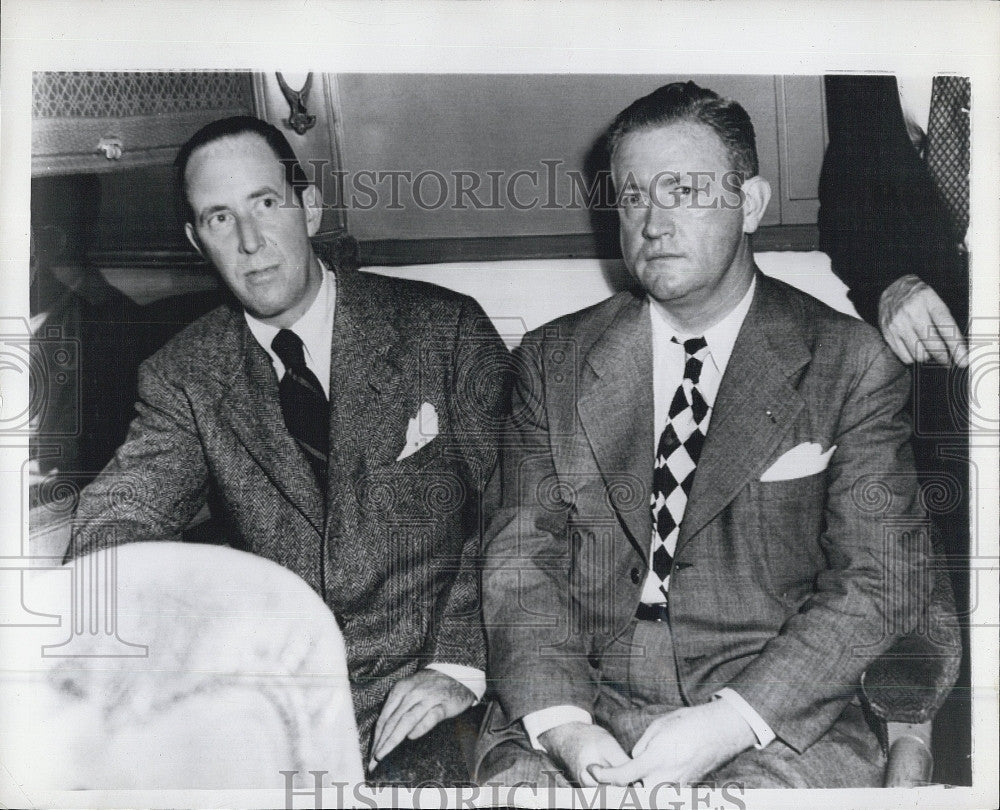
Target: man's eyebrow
672, 177
629, 182
205, 213
263, 191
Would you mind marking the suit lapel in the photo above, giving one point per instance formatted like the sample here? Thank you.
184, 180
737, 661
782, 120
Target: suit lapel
754, 408
364, 382
364, 408
253, 410
620, 362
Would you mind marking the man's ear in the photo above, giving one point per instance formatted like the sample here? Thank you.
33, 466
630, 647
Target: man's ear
193, 238
756, 195
312, 202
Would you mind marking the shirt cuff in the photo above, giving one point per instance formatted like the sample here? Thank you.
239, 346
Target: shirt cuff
762, 731
471, 678
537, 723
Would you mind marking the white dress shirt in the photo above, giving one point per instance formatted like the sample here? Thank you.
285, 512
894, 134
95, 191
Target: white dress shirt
315, 329
915, 101
668, 371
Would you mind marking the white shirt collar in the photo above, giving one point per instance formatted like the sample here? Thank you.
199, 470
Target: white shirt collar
915, 100
315, 328
720, 338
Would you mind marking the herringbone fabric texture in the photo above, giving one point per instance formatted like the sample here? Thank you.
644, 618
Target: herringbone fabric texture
391, 545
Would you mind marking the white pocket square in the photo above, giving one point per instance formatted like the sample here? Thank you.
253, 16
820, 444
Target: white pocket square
421, 430
805, 459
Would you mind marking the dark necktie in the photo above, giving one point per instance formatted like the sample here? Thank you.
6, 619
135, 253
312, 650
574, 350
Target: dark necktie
303, 403
676, 458
948, 146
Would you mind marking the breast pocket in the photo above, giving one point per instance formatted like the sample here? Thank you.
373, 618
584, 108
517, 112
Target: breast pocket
423, 457
806, 489
791, 517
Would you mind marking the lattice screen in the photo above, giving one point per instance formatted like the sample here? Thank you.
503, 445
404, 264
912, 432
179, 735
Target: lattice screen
120, 94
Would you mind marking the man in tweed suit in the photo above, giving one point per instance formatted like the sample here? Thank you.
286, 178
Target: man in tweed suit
356, 458
689, 573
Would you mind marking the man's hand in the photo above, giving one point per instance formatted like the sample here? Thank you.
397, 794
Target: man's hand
917, 324
414, 706
683, 746
578, 746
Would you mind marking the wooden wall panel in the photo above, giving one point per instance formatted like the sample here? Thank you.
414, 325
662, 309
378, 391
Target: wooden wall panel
489, 127
504, 124
802, 140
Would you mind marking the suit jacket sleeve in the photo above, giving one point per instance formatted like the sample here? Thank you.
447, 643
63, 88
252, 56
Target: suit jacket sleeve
478, 400
876, 583
880, 215
158, 479
535, 660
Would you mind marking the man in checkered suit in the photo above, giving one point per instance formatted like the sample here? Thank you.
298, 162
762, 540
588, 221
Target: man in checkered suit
710, 524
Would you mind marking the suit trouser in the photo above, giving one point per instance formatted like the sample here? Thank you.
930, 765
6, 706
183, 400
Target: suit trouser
635, 689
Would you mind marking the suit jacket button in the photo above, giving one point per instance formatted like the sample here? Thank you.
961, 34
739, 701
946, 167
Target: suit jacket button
634, 575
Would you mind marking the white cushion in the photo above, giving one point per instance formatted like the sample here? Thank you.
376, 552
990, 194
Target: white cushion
521, 295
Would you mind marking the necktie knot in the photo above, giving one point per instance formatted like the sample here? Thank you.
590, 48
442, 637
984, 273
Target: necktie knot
303, 403
695, 352
694, 345
288, 346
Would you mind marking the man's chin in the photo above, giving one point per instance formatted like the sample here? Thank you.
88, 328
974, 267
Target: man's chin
264, 310
663, 290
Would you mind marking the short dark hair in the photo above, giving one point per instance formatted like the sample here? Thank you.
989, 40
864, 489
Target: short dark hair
228, 128
686, 101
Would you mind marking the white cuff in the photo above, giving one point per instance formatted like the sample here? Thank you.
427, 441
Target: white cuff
762, 731
537, 723
471, 678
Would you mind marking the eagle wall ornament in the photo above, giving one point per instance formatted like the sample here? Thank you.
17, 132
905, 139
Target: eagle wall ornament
298, 116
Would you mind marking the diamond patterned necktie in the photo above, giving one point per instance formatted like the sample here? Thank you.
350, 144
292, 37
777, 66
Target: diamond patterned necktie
676, 458
948, 146
303, 403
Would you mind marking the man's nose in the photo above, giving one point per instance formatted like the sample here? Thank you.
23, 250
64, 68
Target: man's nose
250, 237
659, 221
